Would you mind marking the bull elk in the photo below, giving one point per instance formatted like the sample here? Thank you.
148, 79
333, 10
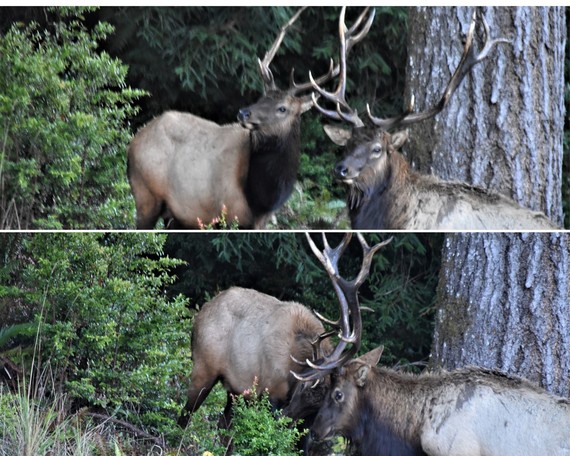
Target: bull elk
385, 193
190, 170
257, 337
466, 412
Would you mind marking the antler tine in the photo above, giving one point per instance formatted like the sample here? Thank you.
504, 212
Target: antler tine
352, 38
487, 45
266, 74
329, 257
347, 293
295, 88
468, 60
367, 253
335, 323
347, 39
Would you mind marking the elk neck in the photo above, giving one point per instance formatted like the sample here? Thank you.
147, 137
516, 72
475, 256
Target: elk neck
380, 198
273, 167
376, 437
390, 414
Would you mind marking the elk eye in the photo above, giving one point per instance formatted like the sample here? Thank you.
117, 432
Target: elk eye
338, 396
376, 151
282, 109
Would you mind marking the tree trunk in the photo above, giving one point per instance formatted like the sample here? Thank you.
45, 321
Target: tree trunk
503, 127
504, 302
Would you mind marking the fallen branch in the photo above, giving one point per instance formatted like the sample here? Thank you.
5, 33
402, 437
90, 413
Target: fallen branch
129, 427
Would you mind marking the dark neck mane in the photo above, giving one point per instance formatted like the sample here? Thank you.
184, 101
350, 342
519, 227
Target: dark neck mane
374, 436
377, 199
273, 166
377, 432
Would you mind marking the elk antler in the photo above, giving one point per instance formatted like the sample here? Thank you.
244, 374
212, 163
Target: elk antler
468, 60
347, 39
347, 294
267, 75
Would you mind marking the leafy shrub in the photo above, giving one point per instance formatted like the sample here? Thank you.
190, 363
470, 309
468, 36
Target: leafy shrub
111, 336
63, 107
257, 429
202, 435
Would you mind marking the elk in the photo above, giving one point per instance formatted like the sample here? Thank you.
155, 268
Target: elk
258, 336
385, 193
465, 412
190, 170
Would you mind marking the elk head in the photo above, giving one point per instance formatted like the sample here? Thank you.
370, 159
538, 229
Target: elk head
277, 108
339, 407
369, 147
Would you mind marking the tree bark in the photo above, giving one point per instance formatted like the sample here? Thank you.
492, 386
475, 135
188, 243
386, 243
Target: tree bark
504, 302
503, 127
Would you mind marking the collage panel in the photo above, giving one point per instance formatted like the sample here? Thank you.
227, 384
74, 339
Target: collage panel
135, 343
378, 118
254, 230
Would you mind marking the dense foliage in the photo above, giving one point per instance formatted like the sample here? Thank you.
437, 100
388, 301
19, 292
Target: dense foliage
64, 106
110, 337
204, 59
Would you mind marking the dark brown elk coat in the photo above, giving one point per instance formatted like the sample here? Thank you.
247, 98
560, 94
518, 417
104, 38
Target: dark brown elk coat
385, 193
242, 337
467, 412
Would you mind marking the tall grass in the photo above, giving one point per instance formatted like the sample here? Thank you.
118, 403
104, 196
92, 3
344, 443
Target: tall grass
32, 426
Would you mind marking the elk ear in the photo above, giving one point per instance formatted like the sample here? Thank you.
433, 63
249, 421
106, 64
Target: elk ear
373, 356
367, 361
338, 135
306, 103
361, 375
399, 139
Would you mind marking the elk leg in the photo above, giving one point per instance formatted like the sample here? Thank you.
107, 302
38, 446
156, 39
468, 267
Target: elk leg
226, 419
148, 214
148, 206
196, 395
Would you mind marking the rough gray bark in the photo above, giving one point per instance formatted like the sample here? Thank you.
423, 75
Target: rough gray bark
504, 302
503, 128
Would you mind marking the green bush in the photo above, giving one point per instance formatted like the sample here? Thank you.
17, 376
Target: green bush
257, 429
112, 338
63, 110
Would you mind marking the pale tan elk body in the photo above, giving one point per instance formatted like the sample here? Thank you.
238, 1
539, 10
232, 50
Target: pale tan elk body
383, 191
187, 167
243, 336
467, 412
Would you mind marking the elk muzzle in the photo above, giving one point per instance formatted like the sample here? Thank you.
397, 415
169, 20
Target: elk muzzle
345, 173
244, 118
323, 427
